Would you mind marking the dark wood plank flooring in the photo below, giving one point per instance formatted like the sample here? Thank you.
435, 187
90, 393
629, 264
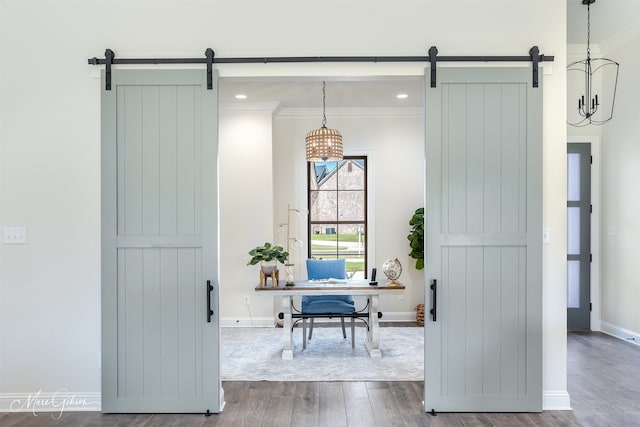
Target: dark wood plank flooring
603, 378
604, 383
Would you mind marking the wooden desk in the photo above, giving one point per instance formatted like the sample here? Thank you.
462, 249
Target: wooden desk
338, 287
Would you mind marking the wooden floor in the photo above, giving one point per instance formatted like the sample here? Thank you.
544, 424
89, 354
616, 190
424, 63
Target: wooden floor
604, 384
603, 380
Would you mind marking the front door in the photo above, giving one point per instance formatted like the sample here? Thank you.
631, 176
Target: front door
483, 342
579, 236
160, 342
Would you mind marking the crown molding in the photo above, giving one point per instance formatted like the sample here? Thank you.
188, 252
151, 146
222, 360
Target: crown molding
578, 52
250, 107
622, 37
351, 112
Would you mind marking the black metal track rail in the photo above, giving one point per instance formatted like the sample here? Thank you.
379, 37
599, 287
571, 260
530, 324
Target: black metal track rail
209, 59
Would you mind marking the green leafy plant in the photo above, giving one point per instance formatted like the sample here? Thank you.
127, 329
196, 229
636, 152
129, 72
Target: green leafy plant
416, 238
267, 252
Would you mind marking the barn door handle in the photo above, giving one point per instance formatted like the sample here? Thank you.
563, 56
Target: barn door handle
209, 311
434, 291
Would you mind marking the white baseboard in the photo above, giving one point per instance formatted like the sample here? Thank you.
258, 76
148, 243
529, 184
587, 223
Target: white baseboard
620, 332
269, 322
55, 402
248, 322
398, 316
556, 400
222, 402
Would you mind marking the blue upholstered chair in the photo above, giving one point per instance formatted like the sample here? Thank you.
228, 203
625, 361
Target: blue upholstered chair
327, 305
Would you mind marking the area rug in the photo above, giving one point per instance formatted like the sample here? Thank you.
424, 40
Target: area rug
254, 354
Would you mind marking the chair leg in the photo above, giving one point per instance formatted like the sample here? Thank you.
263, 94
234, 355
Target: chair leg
304, 333
353, 333
311, 328
344, 332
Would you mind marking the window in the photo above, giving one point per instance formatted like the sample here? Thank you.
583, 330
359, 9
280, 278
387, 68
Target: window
337, 200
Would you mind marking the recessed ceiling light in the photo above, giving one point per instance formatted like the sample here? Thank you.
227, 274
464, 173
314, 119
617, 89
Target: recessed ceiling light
241, 96
402, 96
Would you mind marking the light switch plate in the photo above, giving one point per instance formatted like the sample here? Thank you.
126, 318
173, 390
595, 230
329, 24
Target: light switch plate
15, 235
546, 235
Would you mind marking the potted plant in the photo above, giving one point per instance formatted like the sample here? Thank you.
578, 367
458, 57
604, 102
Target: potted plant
268, 255
416, 238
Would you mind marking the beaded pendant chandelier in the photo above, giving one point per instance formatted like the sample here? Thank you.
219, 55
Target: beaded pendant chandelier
324, 144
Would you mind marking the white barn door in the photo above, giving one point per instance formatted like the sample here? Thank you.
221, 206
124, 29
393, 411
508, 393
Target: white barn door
483, 344
160, 345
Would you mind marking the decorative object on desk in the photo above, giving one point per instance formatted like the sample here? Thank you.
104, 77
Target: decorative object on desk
373, 281
289, 267
268, 256
289, 270
392, 269
416, 238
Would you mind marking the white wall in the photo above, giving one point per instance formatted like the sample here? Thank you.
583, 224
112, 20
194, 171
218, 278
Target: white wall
620, 202
49, 182
619, 152
246, 209
395, 149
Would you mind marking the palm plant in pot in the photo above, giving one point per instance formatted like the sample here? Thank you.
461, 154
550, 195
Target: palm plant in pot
268, 255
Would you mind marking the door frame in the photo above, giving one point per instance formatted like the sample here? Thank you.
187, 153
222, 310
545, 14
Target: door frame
595, 287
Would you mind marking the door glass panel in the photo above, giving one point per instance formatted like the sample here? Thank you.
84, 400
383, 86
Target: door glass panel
573, 177
573, 284
573, 231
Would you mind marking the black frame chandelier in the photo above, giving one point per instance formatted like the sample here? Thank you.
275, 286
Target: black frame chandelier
591, 109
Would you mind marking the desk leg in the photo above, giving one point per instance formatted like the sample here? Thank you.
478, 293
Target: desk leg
287, 351
373, 335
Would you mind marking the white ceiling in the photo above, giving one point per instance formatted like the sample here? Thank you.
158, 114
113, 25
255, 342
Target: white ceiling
307, 92
608, 18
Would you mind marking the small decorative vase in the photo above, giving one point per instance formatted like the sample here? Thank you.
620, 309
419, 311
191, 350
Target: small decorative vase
392, 269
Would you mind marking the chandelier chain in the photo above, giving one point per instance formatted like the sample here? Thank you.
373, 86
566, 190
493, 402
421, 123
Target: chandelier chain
324, 106
588, 31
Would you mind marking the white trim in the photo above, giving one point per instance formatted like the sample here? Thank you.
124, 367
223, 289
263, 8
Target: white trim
371, 202
250, 107
398, 316
620, 333
222, 401
350, 112
270, 322
556, 400
625, 35
595, 290
578, 52
55, 402
248, 322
